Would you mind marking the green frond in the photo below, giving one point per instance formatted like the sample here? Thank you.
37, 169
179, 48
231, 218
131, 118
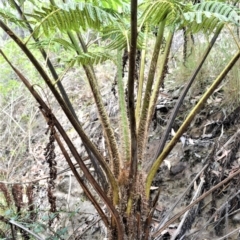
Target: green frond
71, 16
157, 11
112, 4
206, 16
39, 44
95, 55
115, 5
53, 44
10, 2
8, 16
67, 45
20, 2
119, 35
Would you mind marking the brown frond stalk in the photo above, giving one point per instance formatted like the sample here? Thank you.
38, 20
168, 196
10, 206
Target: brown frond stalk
50, 159
6, 194
131, 104
17, 192
31, 207
105, 121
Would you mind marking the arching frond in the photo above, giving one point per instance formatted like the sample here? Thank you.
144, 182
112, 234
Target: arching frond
8, 16
116, 5
53, 44
119, 35
71, 16
157, 11
66, 44
206, 16
20, 2
94, 55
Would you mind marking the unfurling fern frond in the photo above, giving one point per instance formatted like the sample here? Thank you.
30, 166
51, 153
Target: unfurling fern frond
71, 16
206, 16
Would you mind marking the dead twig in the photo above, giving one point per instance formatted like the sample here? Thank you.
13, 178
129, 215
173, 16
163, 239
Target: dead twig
87, 228
216, 213
187, 213
180, 198
227, 235
25, 229
157, 233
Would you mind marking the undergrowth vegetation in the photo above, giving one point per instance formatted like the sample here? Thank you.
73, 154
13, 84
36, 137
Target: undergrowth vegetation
89, 74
